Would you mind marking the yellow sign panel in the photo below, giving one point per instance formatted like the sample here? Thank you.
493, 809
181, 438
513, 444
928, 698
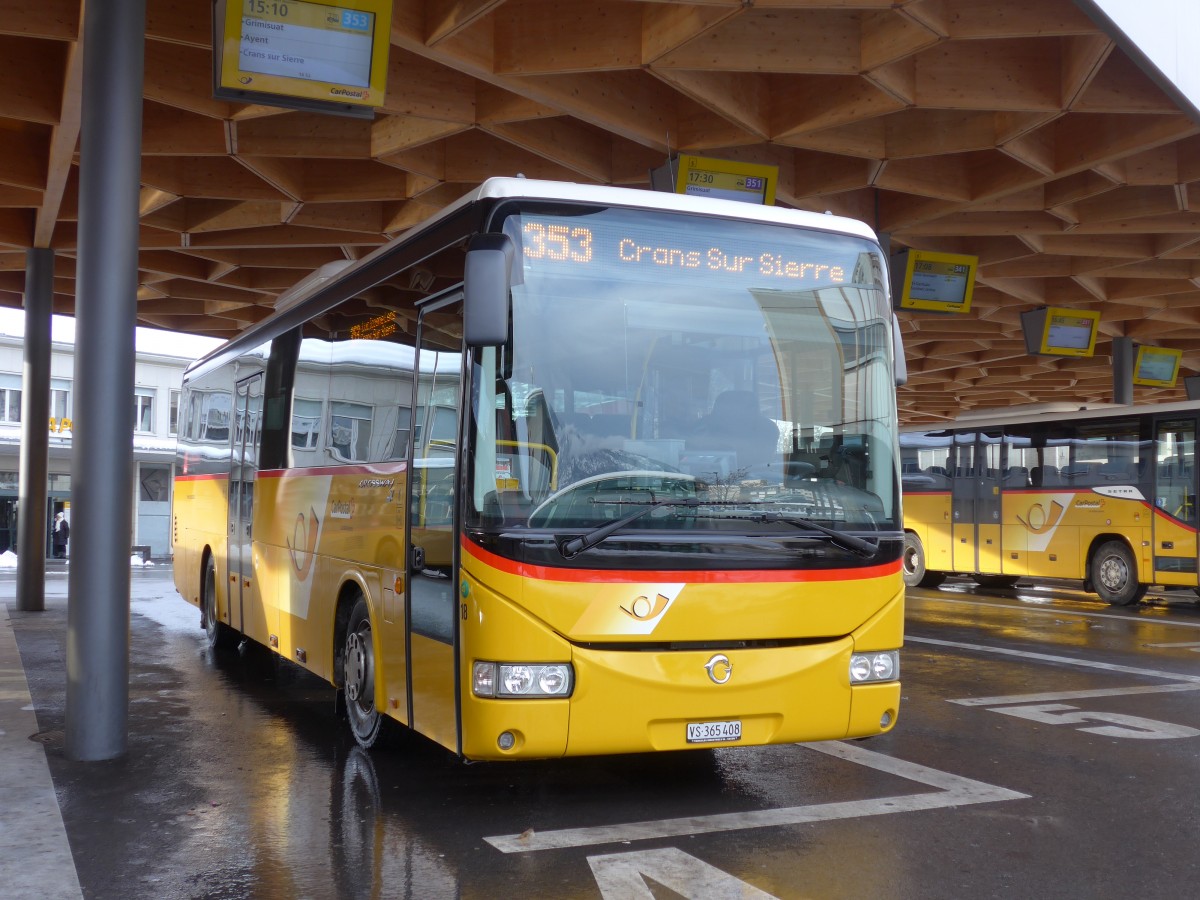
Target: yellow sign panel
726, 180
938, 282
1156, 366
332, 53
1069, 332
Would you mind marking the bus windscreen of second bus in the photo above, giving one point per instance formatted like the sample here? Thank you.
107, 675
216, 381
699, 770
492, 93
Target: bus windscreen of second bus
743, 367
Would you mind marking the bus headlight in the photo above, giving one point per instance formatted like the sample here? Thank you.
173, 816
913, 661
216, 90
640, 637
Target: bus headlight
491, 679
867, 667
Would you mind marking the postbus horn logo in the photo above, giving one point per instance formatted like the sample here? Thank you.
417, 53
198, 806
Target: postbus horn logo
304, 549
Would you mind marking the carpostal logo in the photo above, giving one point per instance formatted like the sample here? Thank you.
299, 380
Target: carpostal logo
351, 93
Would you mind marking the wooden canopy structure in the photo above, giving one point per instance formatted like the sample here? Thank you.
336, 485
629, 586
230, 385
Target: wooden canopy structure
1018, 131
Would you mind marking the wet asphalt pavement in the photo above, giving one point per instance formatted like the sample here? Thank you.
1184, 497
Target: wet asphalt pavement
1048, 746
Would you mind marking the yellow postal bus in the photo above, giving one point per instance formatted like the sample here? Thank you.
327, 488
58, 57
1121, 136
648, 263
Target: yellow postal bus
565, 470
1105, 495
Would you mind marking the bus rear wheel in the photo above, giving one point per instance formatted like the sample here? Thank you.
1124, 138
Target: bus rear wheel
217, 634
1114, 575
913, 563
358, 676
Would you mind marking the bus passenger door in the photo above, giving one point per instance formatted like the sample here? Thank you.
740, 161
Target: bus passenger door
431, 585
988, 514
247, 416
962, 503
975, 503
1175, 515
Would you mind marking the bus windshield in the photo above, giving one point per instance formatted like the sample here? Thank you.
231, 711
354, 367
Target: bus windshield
742, 368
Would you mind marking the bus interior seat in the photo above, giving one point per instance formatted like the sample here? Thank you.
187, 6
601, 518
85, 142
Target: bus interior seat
1117, 470
735, 423
1016, 477
1045, 476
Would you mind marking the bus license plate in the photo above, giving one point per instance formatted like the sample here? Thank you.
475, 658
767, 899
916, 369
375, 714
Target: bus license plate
707, 732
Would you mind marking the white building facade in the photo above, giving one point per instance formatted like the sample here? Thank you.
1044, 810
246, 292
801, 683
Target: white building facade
158, 377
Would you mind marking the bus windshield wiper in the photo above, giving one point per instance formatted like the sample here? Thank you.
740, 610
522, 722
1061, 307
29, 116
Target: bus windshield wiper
845, 541
849, 542
572, 547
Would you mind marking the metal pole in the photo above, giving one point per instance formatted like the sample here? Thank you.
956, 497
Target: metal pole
1122, 363
32, 525
105, 314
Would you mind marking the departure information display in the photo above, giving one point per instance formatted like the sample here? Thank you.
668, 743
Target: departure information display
935, 282
726, 179
311, 41
334, 53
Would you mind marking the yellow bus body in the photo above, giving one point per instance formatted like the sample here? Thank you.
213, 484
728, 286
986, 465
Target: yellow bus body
1043, 533
318, 531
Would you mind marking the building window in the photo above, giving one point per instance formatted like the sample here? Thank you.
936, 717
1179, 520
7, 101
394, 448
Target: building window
175, 412
60, 399
153, 483
403, 432
143, 411
10, 398
306, 423
350, 430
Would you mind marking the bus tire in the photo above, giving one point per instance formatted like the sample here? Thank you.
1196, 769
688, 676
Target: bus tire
1114, 574
217, 634
913, 565
996, 581
914, 560
358, 676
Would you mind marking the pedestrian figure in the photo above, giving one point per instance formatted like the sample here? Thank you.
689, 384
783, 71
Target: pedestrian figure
62, 532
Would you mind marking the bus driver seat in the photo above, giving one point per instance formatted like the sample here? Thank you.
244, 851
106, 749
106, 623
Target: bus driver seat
736, 424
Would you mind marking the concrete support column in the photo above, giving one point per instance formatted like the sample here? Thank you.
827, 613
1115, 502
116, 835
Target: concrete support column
32, 525
105, 316
1122, 366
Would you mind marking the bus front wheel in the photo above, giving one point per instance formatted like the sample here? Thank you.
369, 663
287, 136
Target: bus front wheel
1114, 575
358, 677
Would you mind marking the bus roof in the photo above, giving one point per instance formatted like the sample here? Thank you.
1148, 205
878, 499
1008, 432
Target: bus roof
534, 189
1051, 412
520, 188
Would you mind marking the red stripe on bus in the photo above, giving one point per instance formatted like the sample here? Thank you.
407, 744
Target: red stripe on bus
1174, 521
620, 576
398, 469
217, 477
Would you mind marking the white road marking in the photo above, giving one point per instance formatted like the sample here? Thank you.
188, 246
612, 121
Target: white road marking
1172, 623
1194, 646
1051, 696
953, 790
1119, 725
1047, 657
619, 877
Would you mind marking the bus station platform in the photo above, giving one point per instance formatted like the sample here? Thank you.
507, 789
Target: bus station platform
240, 781
35, 855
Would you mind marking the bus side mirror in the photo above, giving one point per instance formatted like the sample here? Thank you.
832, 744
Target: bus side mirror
485, 290
898, 360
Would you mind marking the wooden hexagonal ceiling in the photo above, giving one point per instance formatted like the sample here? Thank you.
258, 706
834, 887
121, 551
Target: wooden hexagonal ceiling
1017, 131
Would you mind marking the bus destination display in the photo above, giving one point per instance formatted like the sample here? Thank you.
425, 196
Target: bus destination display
308, 50
643, 253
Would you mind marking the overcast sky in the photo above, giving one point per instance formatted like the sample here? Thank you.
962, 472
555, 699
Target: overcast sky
149, 340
